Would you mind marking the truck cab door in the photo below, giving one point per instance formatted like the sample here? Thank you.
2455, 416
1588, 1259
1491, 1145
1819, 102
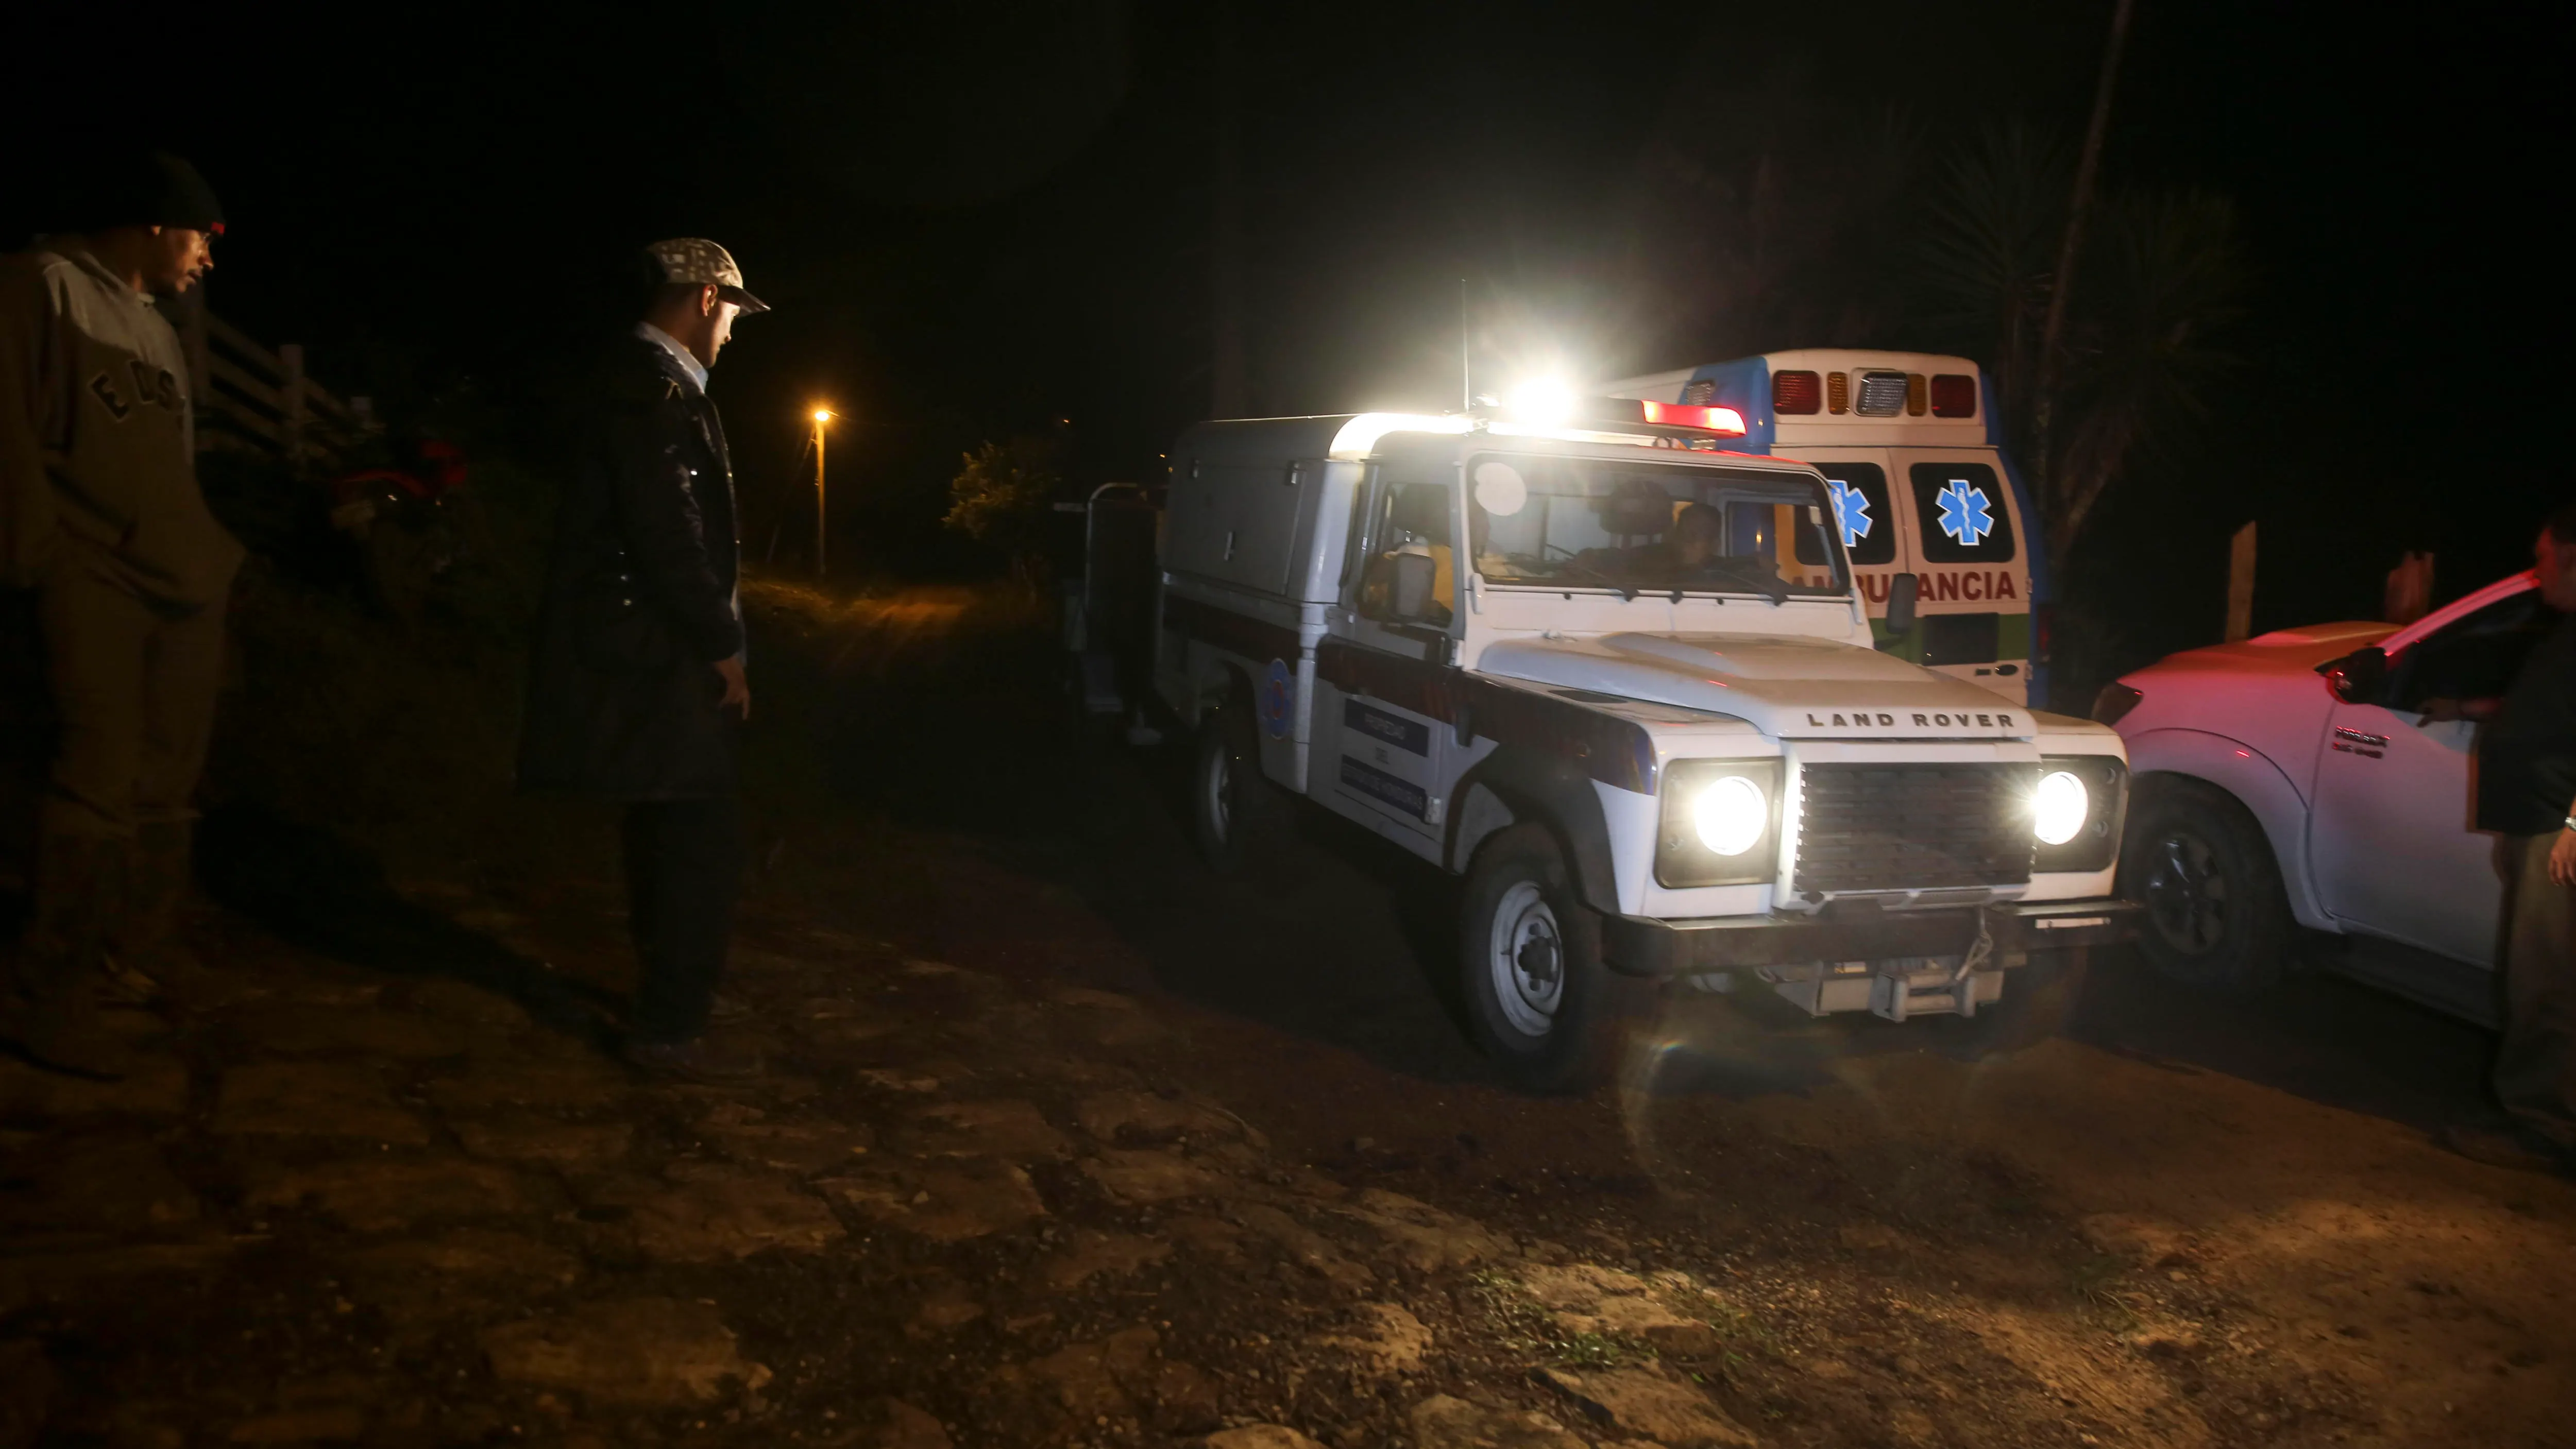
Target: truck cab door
1384, 701
2392, 837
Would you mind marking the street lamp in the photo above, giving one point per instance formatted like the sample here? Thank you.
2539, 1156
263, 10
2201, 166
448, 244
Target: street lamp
821, 566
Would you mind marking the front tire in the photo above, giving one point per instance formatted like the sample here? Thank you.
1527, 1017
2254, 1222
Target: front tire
1541, 1003
2216, 914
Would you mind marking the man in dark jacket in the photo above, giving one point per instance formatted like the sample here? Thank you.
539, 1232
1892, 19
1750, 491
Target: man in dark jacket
2526, 794
637, 692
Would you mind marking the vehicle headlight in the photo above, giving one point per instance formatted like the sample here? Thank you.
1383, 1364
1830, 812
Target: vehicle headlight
1721, 823
2058, 807
2076, 812
1731, 815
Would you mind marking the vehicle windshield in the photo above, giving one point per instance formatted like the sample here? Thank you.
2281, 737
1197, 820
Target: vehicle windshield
1650, 528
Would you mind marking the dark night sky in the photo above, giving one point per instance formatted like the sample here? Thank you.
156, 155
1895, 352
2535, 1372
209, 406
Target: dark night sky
975, 218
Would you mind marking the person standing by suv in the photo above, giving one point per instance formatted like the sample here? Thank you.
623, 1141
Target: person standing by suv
100, 513
2526, 787
637, 689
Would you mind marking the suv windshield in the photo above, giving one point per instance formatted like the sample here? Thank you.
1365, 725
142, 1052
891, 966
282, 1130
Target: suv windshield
1649, 527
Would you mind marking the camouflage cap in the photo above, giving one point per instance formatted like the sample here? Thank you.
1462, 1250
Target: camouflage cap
696, 261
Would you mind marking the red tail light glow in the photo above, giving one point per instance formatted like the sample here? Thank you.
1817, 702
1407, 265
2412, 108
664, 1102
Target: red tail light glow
1714, 419
1954, 395
1797, 392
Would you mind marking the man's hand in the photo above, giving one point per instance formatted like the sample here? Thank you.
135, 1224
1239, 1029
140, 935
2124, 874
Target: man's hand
737, 693
2562, 859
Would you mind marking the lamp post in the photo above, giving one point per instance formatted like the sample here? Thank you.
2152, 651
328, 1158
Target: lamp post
821, 564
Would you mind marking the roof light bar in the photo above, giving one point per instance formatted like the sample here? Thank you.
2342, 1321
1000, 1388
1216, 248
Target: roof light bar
1726, 421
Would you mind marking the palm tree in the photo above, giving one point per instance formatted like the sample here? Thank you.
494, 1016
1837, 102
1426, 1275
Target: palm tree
2162, 280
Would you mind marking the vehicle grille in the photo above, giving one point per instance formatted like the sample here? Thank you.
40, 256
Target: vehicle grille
1893, 827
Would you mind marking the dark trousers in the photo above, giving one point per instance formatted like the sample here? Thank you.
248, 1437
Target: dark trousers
683, 870
2535, 1070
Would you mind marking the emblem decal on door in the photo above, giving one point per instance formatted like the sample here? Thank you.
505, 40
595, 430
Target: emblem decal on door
1965, 514
2355, 742
1278, 699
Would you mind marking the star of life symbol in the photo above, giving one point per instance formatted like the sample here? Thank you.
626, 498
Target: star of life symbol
1851, 512
1965, 514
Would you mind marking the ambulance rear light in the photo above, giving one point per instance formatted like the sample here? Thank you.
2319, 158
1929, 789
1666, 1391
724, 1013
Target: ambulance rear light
1954, 395
1914, 394
1726, 421
1838, 393
1700, 391
1882, 394
1797, 392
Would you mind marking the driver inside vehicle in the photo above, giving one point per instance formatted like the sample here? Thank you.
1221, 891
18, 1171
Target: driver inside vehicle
1692, 551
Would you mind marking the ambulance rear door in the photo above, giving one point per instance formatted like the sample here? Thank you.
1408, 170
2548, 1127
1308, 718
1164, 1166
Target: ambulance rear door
1971, 547
1860, 483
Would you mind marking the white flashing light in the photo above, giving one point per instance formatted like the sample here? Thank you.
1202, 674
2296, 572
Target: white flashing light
1545, 401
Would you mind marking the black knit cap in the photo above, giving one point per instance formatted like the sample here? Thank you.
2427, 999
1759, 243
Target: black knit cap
151, 189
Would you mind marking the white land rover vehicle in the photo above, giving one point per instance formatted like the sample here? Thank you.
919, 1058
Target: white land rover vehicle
1585, 669
2293, 779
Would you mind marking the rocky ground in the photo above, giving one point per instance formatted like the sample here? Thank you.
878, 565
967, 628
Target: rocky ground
1066, 1143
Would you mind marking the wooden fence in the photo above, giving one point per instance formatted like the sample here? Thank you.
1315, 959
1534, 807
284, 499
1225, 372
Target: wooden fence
250, 399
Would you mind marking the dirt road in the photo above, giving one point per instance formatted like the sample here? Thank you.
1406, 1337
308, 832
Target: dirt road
1066, 1141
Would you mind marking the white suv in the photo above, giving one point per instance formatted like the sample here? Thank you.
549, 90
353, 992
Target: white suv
2294, 780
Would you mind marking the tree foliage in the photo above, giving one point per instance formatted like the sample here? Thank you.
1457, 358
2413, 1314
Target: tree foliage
1002, 495
2159, 281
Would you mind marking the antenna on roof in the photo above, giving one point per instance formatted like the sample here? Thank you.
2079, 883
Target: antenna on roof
1466, 372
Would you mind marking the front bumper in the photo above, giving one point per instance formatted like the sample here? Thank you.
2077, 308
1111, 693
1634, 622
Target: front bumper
1643, 946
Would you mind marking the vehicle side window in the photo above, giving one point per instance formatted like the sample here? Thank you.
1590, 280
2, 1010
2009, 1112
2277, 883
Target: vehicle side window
1963, 513
1411, 518
1860, 510
2475, 656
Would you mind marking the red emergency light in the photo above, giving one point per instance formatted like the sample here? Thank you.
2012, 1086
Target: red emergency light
1954, 395
1797, 392
1725, 421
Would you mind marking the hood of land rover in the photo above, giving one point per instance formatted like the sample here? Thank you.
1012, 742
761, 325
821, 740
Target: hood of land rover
1785, 686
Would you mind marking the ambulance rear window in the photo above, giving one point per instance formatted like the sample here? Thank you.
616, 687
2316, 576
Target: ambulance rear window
1867, 524
1961, 511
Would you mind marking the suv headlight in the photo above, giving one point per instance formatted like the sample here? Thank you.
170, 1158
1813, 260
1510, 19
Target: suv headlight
1721, 823
2076, 811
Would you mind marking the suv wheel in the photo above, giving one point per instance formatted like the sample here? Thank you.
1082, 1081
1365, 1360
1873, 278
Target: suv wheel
2217, 916
1540, 1001
1228, 796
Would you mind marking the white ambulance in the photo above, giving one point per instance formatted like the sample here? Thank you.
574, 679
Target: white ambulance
1623, 682
1912, 447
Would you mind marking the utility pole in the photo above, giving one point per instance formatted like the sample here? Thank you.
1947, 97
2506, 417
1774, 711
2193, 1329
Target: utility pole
822, 534
2071, 246
1228, 392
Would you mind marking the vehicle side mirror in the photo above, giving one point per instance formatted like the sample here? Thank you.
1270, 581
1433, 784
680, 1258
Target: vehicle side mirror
2358, 677
1415, 573
1902, 592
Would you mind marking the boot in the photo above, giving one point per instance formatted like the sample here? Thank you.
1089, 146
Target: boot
80, 883
144, 949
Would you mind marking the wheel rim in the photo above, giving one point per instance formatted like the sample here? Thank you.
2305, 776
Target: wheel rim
1526, 958
2187, 893
1220, 792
